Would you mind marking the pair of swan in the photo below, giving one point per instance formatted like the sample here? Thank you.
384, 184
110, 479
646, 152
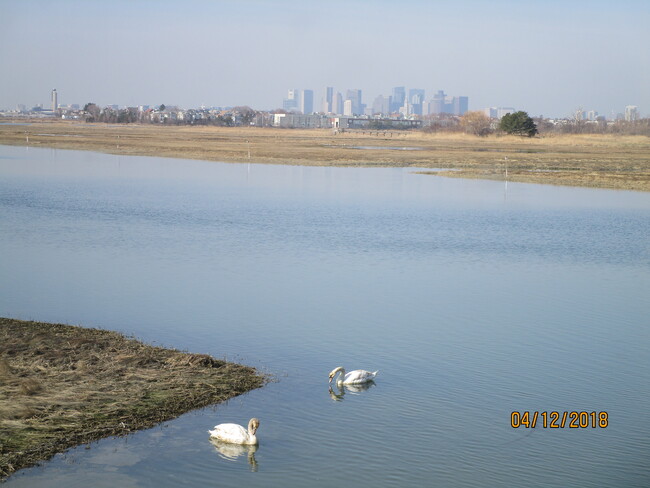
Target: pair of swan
236, 434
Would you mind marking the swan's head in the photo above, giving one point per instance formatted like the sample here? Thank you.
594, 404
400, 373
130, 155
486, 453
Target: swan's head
253, 425
334, 371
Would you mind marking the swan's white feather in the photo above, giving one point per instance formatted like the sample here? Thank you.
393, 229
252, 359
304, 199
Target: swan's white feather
236, 434
353, 377
358, 376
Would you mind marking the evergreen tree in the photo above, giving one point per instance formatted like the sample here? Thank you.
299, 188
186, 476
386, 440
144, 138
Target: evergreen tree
519, 124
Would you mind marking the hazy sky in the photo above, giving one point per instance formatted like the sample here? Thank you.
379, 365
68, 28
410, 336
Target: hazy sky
545, 57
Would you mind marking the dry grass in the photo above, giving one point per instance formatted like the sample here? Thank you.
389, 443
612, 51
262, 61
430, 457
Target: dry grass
603, 161
61, 386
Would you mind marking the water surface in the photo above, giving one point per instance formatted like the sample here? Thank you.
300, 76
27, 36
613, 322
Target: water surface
471, 298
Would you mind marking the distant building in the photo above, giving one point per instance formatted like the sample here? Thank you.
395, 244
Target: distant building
337, 103
348, 108
343, 123
302, 121
592, 115
328, 101
55, 101
501, 111
416, 99
406, 109
437, 104
460, 105
307, 101
498, 112
631, 113
399, 94
290, 104
355, 97
381, 105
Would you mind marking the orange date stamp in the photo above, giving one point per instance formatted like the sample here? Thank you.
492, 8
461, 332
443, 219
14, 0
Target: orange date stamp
559, 420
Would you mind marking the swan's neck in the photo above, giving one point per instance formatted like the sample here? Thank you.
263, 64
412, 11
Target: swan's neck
341, 377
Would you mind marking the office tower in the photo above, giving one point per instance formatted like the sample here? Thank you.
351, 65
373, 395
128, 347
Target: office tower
328, 106
460, 105
337, 104
307, 101
399, 93
416, 99
291, 102
438, 103
355, 96
381, 105
348, 108
55, 103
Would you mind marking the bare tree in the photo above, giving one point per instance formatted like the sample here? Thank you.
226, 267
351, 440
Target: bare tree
476, 123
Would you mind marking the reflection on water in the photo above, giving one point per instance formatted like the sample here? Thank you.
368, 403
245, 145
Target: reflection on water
232, 452
341, 390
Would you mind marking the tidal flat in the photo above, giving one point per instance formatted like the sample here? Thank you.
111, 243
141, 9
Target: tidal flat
589, 160
63, 385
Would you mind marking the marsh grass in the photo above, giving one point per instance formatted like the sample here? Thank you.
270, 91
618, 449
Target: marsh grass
603, 161
61, 386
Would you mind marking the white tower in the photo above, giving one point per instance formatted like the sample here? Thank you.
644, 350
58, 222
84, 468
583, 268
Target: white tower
55, 103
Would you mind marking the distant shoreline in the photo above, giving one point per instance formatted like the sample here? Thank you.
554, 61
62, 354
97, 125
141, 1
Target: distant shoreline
62, 385
596, 161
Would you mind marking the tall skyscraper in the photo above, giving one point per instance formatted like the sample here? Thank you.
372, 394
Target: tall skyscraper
416, 99
328, 106
460, 105
307, 101
337, 104
55, 100
355, 96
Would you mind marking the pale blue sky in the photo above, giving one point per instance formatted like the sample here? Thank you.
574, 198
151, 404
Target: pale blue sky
547, 57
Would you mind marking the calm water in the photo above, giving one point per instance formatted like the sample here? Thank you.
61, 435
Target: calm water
472, 299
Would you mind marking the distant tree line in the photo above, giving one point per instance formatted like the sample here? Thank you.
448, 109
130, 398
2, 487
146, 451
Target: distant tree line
165, 115
474, 123
520, 123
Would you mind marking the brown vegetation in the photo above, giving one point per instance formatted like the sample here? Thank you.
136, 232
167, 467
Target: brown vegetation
61, 386
594, 160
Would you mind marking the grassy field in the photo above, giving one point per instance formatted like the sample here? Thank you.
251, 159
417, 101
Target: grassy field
61, 386
600, 161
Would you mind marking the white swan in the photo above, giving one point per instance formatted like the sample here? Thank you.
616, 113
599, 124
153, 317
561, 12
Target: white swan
353, 377
236, 434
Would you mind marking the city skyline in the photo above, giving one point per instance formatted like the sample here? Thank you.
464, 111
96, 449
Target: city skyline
547, 58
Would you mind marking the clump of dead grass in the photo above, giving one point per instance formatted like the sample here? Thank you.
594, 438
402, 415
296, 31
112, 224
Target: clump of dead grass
62, 385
